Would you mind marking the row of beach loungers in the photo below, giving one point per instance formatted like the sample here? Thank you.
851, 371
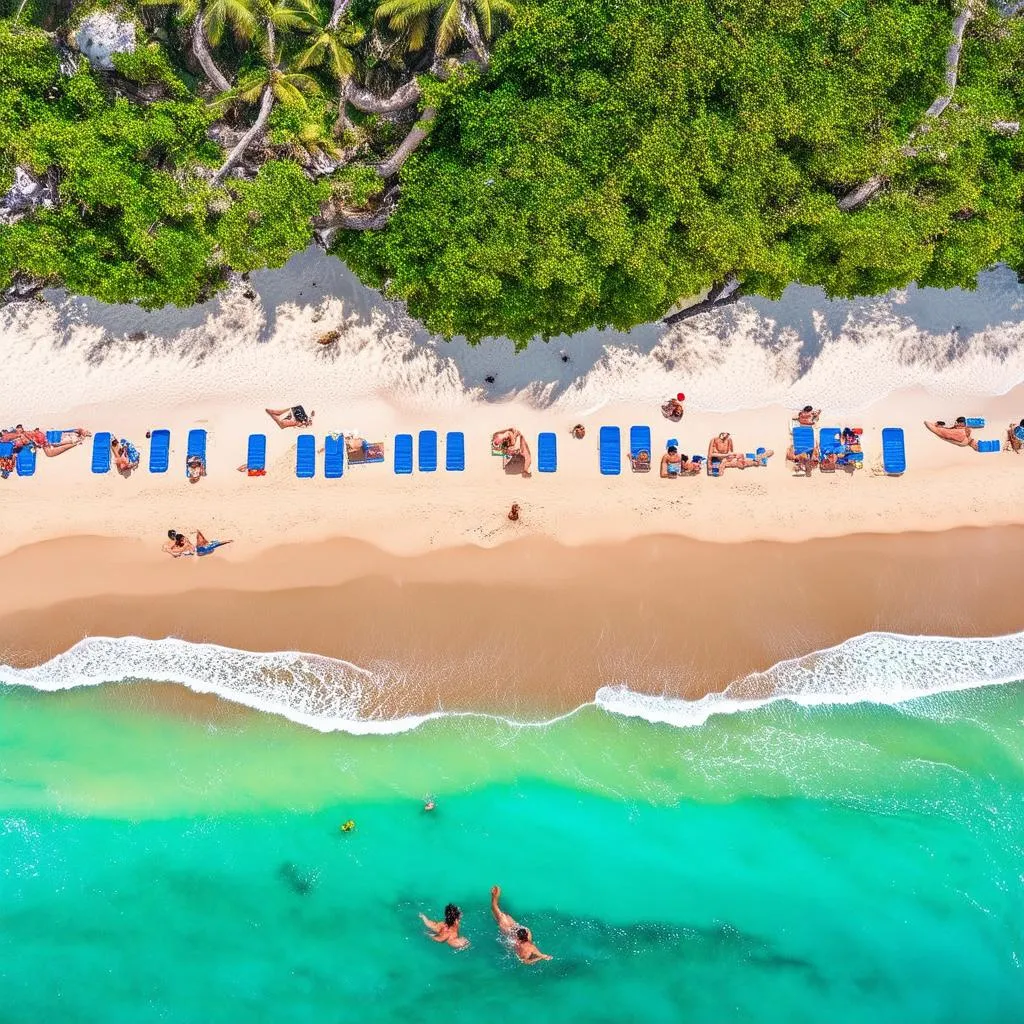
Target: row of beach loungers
610, 451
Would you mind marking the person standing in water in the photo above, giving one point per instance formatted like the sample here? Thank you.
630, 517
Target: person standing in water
448, 929
519, 936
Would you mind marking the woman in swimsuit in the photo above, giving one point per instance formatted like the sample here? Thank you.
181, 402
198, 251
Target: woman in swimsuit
511, 442
196, 468
448, 929
958, 434
671, 462
294, 417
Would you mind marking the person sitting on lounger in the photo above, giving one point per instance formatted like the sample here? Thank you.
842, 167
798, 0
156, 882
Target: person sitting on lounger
807, 416
294, 417
641, 461
804, 462
1015, 437
126, 456
195, 466
958, 434
511, 442
37, 439
850, 439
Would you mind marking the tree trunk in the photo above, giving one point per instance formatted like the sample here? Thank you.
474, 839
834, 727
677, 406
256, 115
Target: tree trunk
266, 105
409, 145
202, 54
368, 103
340, 8
723, 294
346, 220
467, 19
857, 197
342, 123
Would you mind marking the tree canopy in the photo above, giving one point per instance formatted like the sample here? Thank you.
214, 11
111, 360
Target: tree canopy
580, 162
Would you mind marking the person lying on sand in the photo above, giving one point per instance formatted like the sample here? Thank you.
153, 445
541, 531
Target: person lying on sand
448, 929
207, 547
804, 462
958, 434
1015, 437
520, 937
740, 461
675, 464
178, 544
294, 417
807, 416
511, 442
23, 438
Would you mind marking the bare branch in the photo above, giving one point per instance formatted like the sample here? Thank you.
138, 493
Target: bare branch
723, 294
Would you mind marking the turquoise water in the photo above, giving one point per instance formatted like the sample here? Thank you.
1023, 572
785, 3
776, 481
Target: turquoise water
789, 864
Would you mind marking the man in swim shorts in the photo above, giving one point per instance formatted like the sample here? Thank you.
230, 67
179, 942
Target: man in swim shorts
520, 937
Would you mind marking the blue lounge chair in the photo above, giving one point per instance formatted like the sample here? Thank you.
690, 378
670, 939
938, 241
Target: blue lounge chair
455, 451
547, 452
403, 454
196, 447
803, 440
975, 422
427, 451
894, 453
101, 452
640, 444
334, 457
830, 441
159, 451
25, 461
256, 454
305, 456
609, 446
990, 446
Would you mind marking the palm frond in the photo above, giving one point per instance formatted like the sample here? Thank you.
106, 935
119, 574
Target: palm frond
450, 28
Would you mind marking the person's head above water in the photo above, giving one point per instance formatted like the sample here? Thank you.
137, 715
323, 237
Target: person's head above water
522, 934
452, 915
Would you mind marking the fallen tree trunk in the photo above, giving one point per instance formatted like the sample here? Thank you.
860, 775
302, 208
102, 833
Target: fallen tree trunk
419, 131
266, 105
723, 294
369, 103
857, 197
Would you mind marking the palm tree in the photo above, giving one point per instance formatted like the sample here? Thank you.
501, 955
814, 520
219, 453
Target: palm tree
193, 14
239, 15
284, 15
331, 49
269, 85
470, 19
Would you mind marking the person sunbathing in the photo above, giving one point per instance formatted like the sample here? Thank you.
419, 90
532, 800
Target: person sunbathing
641, 461
294, 417
807, 416
850, 438
720, 446
671, 462
511, 442
1015, 437
195, 467
178, 544
804, 462
740, 461
126, 456
958, 434
37, 439
673, 410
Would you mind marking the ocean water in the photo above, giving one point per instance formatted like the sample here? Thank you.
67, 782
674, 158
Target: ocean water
782, 862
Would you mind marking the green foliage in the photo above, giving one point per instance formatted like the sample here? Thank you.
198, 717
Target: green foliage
269, 218
356, 186
148, 65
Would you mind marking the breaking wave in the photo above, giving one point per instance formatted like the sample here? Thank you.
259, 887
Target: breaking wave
329, 694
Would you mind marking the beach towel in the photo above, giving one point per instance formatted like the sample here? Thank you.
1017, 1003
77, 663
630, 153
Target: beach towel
403, 454
25, 461
159, 451
640, 449
455, 451
990, 446
369, 451
547, 452
803, 440
609, 447
101, 453
334, 457
894, 455
196, 447
427, 462
305, 456
256, 455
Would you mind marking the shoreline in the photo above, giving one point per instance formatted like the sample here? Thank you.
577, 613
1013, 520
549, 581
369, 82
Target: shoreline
531, 627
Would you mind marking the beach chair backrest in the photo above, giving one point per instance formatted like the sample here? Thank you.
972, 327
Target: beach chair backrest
975, 422
547, 452
305, 456
334, 457
159, 451
25, 461
609, 446
403, 454
195, 447
101, 452
803, 440
455, 451
427, 462
894, 455
990, 446
830, 440
256, 453
640, 445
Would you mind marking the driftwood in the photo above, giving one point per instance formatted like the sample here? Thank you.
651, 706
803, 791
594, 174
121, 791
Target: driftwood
857, 197
723, 294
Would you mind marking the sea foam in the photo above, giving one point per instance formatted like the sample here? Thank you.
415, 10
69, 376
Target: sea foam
329, 694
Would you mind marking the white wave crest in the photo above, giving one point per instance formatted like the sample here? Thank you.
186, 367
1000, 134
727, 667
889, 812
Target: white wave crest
877, 668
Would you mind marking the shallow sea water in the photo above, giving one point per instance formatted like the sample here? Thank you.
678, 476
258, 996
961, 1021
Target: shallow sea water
788, 863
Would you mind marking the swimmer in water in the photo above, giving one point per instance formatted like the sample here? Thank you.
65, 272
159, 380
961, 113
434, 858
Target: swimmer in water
520, 937
448, 929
